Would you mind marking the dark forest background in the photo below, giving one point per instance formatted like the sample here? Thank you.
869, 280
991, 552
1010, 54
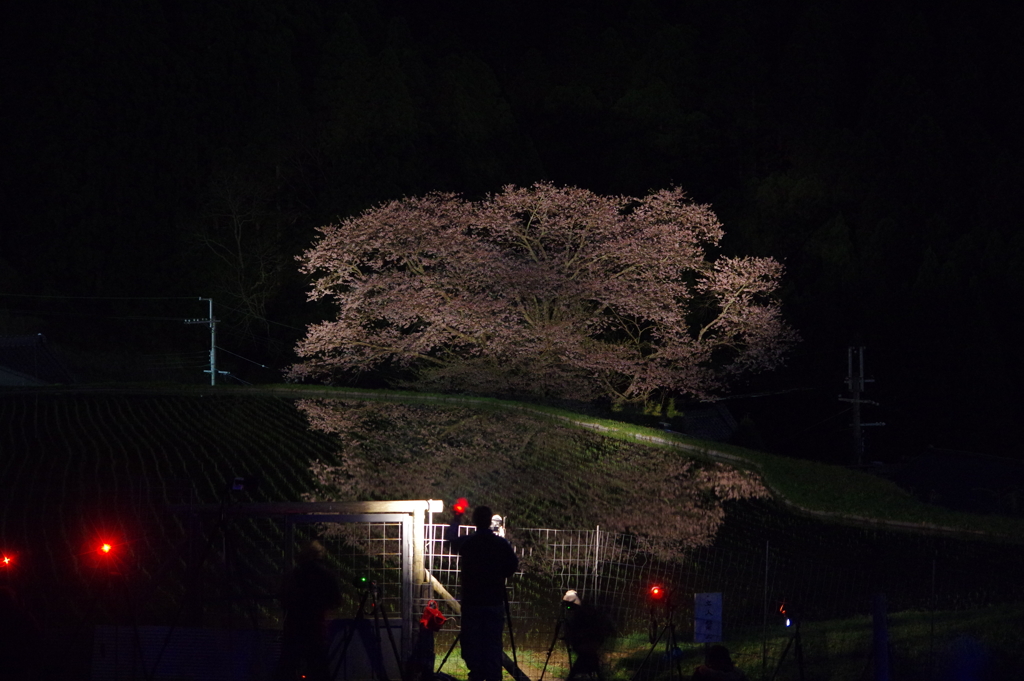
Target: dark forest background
190, 147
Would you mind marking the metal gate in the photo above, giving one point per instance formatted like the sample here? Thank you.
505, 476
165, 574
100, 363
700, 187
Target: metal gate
237, 555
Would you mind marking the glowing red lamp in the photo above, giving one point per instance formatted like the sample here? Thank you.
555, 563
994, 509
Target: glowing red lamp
105, 549
656, 592
460, 505
7, 561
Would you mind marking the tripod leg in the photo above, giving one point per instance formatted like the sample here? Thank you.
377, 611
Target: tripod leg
349, 635
673, 648
511, 635
654, 644
376, 640
551, 648
782, 658
394, 646
450, 649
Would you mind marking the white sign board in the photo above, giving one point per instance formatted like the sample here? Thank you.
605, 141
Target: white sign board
707, 618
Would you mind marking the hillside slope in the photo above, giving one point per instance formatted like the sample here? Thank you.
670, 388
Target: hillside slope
184, 442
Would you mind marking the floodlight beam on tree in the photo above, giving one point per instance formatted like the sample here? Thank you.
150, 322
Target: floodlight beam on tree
543, 291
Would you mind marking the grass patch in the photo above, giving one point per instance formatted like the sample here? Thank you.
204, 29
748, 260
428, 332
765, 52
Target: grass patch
944, 645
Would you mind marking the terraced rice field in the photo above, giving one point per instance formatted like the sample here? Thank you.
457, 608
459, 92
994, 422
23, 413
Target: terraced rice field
78, 469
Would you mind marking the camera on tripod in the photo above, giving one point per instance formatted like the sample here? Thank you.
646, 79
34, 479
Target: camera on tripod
792, 622
789, 617
362, 582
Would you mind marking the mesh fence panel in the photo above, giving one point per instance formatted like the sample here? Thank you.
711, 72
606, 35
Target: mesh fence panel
946, 597
938, 593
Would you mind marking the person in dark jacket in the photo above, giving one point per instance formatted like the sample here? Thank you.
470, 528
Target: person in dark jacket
308, 593
586, 630
485, 562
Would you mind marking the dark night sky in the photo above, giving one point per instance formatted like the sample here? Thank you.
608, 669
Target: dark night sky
874, 147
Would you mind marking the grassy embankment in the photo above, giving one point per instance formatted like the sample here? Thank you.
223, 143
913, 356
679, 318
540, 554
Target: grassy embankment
828, 492
823, 490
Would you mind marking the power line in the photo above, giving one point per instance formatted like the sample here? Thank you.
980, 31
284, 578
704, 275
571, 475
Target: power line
241, 357
175, 319
260, 317
31, 295
827, 418
42, 313
36, 313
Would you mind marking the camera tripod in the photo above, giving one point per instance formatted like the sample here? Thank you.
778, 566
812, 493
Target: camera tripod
371, 593
198, 552
554, 640
510, 665
672, 652
113, 590
798, 649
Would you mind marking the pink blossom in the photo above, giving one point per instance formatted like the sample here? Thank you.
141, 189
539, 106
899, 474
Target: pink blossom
542, 291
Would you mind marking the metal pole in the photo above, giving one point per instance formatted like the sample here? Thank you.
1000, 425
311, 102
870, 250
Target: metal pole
212, 323
213, 345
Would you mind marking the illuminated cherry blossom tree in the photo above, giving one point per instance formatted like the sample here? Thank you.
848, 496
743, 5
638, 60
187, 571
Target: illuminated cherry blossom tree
542, 292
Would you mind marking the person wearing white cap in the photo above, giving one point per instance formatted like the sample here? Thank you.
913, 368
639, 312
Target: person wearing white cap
586, 630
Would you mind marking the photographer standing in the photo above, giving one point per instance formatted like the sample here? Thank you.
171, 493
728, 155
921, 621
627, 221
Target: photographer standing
486, 561
308, 593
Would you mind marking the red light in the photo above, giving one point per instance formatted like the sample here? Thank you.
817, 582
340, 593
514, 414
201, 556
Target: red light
104, 552
460, 505
7, 561
107, 549
657, 593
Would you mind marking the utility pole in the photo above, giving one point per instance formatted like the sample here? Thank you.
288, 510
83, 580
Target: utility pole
855, 381
212, 323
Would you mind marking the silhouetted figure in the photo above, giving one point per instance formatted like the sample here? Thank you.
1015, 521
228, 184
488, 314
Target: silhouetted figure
19, 639
718, 666
308, 593
586, 630
486, 561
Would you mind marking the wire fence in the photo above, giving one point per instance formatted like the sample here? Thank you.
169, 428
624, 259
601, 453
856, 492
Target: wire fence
947, 601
